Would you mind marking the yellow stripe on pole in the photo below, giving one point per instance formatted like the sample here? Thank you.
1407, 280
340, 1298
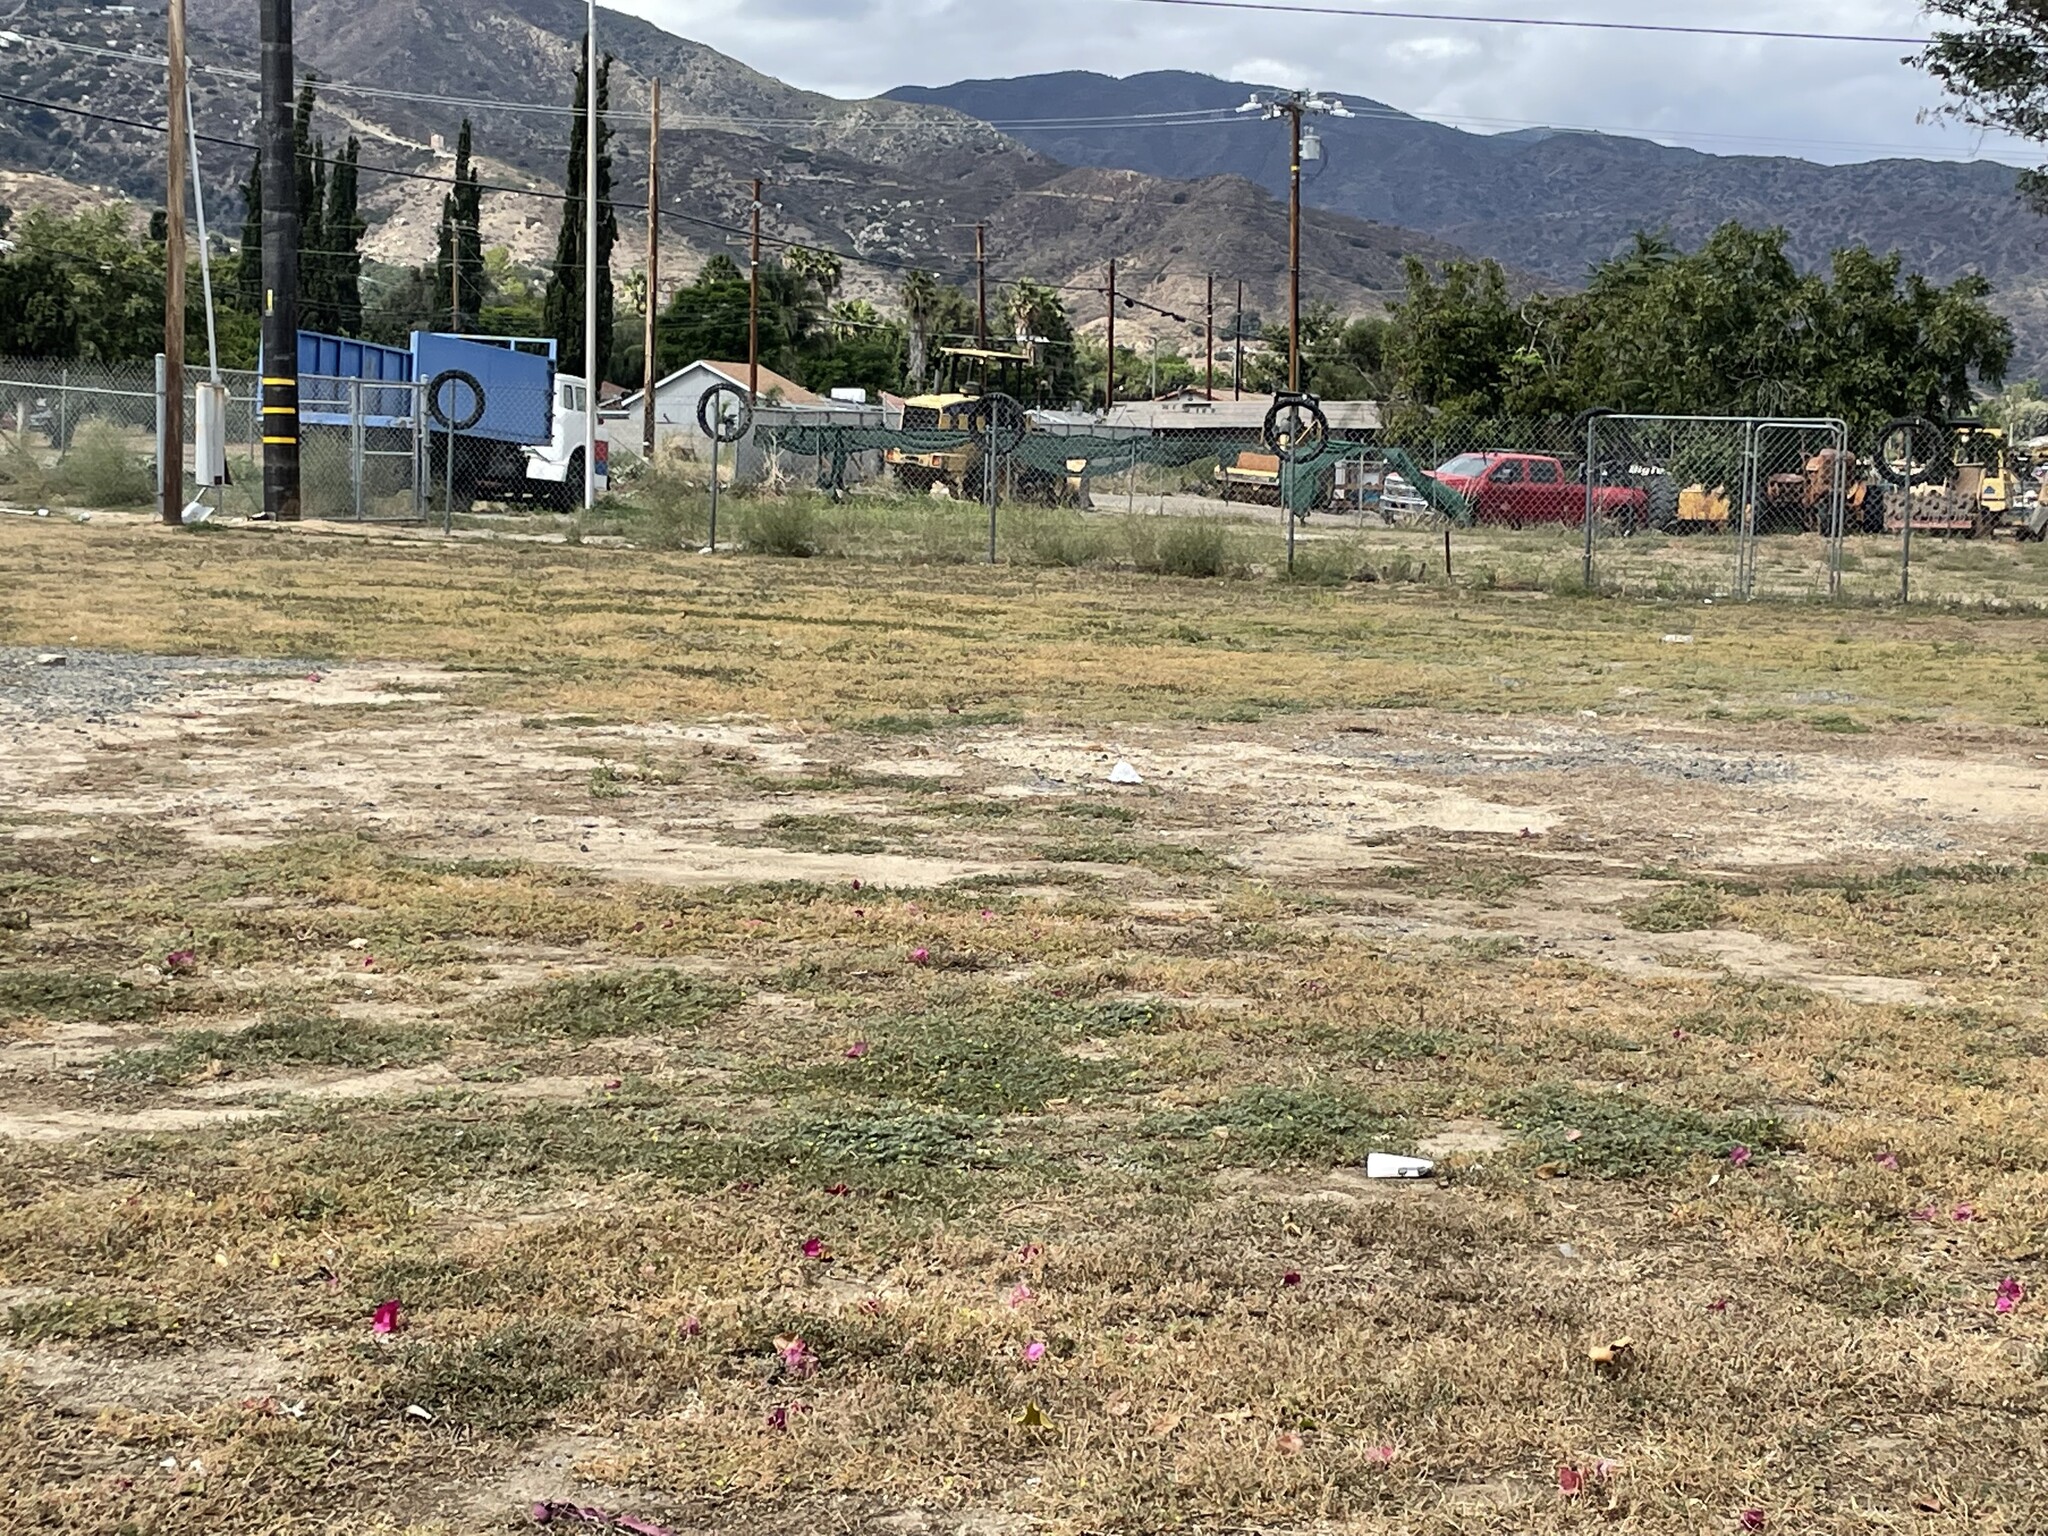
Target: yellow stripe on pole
280, 410
281, 441
293, 383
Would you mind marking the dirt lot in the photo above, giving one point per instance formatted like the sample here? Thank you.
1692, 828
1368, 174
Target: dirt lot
783, 1083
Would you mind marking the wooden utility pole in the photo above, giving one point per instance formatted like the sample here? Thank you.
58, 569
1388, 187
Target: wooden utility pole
651, 302
1237, 346
1210, 333
172, 471
981, 286
754, 305
1109, 376
280, 182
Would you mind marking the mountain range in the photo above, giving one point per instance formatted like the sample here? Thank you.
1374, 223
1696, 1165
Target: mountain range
900, 181
1552, 202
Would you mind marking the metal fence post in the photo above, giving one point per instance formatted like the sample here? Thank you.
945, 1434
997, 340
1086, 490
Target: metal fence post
711, 546
355, 442
64, 413
989, 471
1906, 521
162, 384
1592, 450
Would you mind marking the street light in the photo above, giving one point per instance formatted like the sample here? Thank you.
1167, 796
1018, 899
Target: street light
1294, 106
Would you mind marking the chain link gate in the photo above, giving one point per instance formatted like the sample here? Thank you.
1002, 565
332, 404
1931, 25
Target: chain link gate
1715, 507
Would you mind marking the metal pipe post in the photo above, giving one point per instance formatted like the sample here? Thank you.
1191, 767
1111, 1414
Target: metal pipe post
1592, 447
651, 303
355, 442
593, 365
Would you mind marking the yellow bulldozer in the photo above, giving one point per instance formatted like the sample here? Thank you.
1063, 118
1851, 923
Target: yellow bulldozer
971, 383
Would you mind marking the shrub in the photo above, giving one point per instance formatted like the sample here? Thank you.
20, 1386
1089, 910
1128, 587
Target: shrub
789, 528
102, 471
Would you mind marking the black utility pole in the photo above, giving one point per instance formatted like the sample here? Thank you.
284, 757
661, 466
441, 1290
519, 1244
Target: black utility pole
172, 470
280, 269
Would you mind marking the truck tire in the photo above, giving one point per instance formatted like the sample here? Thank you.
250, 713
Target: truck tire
568, 496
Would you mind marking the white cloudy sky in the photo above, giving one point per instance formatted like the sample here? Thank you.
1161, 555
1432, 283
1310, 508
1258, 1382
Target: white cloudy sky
1821, 100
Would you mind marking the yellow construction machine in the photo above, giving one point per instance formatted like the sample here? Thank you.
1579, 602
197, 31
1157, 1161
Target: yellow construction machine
974, 382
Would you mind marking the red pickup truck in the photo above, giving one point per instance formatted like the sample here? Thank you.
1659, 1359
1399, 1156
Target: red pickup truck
1514, 490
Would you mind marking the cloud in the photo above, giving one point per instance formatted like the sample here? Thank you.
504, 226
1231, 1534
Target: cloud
1824, 101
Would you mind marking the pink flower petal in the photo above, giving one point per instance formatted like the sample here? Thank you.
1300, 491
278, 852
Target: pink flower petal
814, 1247
1965, 1213
920, 956
1020, 1295
385, 1319
1034, 1351
2010, 1294
1292, 1277
1925, 1213
856, 885
692, 1326
1570, 1481
1380, 1453
797, 1358
839, 1189
179, 961
855, 1051
1752, 1519
1888, 1161
1739, 1156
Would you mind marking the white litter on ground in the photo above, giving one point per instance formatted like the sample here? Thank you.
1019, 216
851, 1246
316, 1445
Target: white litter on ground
1124, 773
1388, 1165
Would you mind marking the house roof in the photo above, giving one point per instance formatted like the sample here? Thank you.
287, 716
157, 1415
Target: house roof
788, 391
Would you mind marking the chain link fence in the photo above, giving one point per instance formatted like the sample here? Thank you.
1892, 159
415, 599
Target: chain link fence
1696, 508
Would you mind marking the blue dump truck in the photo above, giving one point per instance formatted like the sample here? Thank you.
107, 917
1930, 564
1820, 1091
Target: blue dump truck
526, 443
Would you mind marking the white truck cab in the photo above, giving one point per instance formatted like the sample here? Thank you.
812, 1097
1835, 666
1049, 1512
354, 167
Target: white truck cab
558, 463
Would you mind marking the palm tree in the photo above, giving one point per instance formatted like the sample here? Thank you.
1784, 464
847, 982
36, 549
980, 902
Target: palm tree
820, 268
923, 302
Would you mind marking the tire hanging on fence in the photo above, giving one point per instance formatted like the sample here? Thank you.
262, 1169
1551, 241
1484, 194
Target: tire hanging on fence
719, 423
1932, 470
436, 410
1295, 427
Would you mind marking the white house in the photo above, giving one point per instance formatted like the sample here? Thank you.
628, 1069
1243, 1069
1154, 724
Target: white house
781, 402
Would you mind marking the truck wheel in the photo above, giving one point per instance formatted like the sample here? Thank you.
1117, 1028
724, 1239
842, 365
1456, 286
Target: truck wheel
568, 496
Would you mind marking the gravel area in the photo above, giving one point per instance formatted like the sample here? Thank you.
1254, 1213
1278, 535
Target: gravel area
98, 687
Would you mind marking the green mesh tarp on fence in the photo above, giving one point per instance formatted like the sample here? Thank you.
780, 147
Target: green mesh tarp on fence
1056, 455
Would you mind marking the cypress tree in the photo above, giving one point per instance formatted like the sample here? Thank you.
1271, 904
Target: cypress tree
344, 227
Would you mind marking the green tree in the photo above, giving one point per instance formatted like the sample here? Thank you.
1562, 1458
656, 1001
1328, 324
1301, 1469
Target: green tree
705, 319
1457, 342
460, 243
316, 266
1037, 316
344, 225
921, 308
564, 301
248, 288
1995, 70
85, 287
820, 268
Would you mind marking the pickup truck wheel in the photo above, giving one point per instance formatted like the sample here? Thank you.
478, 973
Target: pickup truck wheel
568, 496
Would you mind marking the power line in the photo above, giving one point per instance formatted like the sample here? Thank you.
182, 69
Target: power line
1302, 8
